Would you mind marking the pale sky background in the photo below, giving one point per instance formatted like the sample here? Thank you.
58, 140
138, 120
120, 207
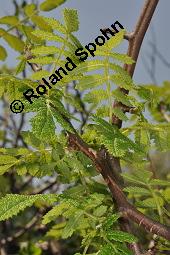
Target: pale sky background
96, 14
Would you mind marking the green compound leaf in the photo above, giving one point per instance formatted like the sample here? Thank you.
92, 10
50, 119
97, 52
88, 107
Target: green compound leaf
49, 5
12, 204
71, 20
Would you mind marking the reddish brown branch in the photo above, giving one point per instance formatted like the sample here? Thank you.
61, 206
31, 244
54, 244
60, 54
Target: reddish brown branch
142, 25
128, 211
135, 42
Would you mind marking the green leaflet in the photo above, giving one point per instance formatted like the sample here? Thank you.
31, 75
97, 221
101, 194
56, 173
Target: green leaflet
49, 5
119, 113
161, 139
88, 66
137, 191
9, 20
6, 159
114, 41
14, 42
123, 81
123, 249
141, 177
39, 75
76, 42
102, 111
145, 93
21, 66
96, 96
5, 168
43, 124
94, 200
71, 19
43, 61
55, 24
159, 182
121, 97
40, 22
114, 55
55, 212
43, 50
108, 223
100, 211
12, 204
106, 250
90, 81
72, 224
3, 53
56, 230
150, 203
121, 236
49, 36
166, 195
11, 86
29, 9
27, 31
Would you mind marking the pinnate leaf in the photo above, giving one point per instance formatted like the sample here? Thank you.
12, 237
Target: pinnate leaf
12, 204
